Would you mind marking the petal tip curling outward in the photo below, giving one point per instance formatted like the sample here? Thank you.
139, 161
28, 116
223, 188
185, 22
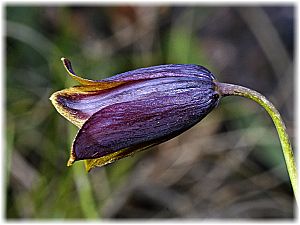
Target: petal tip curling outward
68, 67
65, 101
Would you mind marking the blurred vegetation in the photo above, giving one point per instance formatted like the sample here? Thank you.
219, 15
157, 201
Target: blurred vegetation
228, 166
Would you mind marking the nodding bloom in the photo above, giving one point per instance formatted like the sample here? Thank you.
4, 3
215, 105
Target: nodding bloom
135, 110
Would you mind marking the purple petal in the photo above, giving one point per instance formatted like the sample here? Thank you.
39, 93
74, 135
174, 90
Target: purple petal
82, 104
169, 70
149, 113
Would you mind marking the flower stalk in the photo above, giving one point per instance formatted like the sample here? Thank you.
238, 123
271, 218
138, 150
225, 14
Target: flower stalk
235, 90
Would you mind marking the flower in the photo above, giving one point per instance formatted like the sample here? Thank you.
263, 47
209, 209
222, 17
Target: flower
135, 110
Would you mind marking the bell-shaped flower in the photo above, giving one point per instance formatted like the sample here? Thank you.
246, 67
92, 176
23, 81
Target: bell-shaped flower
135, 110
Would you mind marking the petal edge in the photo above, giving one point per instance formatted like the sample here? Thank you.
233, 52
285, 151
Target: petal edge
68, 67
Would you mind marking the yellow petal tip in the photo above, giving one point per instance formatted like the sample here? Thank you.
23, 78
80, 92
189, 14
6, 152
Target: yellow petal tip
70, 161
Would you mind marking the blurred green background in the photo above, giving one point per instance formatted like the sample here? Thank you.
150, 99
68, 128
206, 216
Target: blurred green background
228, 166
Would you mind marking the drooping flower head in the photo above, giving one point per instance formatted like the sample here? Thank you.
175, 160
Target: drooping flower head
135, 110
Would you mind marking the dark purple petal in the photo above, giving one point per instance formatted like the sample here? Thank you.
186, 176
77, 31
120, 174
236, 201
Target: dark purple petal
149, 113
86, 104
169, 70
78, 103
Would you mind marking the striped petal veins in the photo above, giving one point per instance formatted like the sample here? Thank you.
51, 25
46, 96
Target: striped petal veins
132, 111
150, 117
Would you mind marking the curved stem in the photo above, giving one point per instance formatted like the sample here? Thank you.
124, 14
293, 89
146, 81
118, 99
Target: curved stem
231, 89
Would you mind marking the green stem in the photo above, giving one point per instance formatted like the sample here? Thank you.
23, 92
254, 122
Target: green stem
231, 89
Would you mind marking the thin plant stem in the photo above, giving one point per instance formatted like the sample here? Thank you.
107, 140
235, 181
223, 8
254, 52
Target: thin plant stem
236, 90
